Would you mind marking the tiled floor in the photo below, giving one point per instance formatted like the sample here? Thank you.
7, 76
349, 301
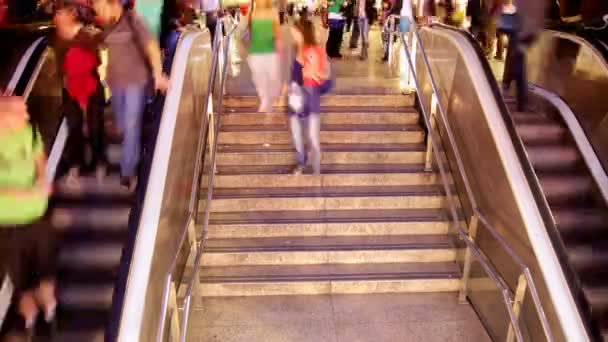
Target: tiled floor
338, 318
352, 75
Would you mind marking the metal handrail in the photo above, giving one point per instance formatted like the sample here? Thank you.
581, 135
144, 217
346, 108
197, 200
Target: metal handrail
195, 189
453, 212
462, 232
200, 247
476, 209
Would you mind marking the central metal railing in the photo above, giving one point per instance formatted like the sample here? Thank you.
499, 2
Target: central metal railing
209, 130
525, 281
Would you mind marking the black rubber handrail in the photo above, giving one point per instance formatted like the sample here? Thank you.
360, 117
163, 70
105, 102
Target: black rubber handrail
148, 148
575, 287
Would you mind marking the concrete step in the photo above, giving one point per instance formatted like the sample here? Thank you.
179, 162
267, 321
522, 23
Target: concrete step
328, 279
90, 255
581, 224
567, 189
97, 335
327, 198
99, 218
333, 175
328, 249
345, 134
328, 223
550, 133
336, 116
277, 154
89, 296
332, 101
110, 185
597, 297
554, 158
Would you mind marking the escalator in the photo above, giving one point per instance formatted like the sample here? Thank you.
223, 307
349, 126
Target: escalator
94, 221
563, 166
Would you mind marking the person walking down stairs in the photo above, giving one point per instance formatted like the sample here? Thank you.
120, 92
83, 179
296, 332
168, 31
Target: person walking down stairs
263, 59
311, 69
365, 16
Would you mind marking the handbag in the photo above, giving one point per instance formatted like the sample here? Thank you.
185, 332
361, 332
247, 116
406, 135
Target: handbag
295, 98
508, 23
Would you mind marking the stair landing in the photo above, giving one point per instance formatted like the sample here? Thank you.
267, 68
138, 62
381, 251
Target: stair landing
434, 317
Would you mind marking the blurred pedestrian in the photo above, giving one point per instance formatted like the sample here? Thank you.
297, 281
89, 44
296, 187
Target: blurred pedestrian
26, 241
83, 91
134, 61
263, 59
336, 28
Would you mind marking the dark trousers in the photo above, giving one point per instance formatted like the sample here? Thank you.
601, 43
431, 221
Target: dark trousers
515, 70
27, 253
334, 41
211, 20
355, 36
349, 23
94, 120
171, 40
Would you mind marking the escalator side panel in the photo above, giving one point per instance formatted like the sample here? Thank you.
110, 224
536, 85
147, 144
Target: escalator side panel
464, 95
578, 73
166, 209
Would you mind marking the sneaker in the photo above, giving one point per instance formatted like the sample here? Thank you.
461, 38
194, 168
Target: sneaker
28, 309
298, 170
73, 178
129, 182
45, 295
100, 173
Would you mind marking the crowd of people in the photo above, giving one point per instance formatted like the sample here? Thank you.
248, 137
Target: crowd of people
134, 71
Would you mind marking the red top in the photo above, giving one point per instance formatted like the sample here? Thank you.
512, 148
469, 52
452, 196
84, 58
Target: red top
79, 67
315, 66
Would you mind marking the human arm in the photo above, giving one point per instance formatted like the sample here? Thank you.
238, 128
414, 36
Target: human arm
152, 53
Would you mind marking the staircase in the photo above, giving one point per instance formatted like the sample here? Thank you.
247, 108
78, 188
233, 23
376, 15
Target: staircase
373, 222
580, 213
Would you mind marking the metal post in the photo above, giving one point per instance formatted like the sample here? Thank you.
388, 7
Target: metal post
466, 272
520, 294
428, 165
391, 31
174, 316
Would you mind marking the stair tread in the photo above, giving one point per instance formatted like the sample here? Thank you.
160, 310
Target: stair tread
266, 148
326, 127
577, 221
329, 191
328, 243
331, 110
326, 169
328, 216
329, 272
78, 319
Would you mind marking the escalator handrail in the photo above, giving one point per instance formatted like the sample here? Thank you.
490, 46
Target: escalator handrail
584, 42
216, 129
18, 73
195, 190
128, 311
593, 163
540, 217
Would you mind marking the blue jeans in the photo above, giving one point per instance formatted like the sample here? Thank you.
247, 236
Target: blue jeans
128, 104
309, 127
515, 70
171, 41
